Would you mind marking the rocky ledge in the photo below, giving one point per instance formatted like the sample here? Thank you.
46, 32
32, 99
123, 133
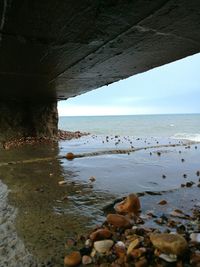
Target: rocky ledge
61, 135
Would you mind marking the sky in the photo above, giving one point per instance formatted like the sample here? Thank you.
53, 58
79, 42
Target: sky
170, 89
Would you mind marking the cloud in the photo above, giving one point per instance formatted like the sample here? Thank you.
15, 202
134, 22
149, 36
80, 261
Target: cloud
84, 110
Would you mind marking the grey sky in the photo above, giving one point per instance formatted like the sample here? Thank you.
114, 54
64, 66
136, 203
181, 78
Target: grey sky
172, 88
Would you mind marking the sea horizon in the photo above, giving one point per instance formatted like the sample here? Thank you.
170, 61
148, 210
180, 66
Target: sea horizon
177, 126
119, 115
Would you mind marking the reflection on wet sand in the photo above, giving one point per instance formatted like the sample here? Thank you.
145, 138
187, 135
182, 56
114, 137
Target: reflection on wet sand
47, 212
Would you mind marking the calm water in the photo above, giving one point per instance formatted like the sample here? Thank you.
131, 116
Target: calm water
37, 215
177, 126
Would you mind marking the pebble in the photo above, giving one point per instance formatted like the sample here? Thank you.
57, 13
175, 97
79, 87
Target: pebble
120, 249
62, 182
86, 260
73, 259
92, 179
138, 252
131, 204
133, 245
168, 258
162, 202
118, 220
70, 156
169, 243
142, 263
103, 246
195, 237
70, 242
100, 234
195, 259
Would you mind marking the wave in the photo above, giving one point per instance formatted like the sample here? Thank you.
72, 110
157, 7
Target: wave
187, 136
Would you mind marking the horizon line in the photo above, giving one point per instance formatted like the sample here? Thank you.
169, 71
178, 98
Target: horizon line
116, 115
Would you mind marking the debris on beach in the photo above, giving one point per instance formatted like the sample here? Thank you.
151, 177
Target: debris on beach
69, 156
123, 239
68, 135
32, 140
92, 179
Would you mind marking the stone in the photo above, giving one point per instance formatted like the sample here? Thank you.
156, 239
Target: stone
62, 182
141, 263
168, 258
162, 202
120, 249
178, 214
133, 245
86, 260
169, 243
195, 237
70, 242
88, 243
131, 204
195, 259
118, 220
70, 156
100, 234
92, 179
73, 259
137, 252
103, 246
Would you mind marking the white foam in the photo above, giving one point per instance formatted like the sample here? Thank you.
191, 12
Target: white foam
187, 136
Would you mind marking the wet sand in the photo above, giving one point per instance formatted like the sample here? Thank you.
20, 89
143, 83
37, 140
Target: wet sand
46, 214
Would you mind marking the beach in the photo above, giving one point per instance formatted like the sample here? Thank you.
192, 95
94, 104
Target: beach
54, 199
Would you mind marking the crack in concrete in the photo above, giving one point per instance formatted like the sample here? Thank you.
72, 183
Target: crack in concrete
3, 17
146, 29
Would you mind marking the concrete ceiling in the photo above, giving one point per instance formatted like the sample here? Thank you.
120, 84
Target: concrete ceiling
56, 49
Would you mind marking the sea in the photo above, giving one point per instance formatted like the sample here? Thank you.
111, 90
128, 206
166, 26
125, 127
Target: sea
46, 199
181, 126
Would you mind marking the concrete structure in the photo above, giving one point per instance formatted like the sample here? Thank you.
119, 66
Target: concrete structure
51, 50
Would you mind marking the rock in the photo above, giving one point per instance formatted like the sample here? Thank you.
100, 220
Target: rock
168, 258
62, 182
70, 156
100, 234
118, 220
169, 243
131, 204
195, 259
141, 263
162, 202
92, 179
133, 245
93, 253
88, 243
120, 249
70, 242
103, 246
73, 259
137, 252
195, 237
86, 260
179, 214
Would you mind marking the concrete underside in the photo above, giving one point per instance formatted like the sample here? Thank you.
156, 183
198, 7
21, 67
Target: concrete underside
52, 50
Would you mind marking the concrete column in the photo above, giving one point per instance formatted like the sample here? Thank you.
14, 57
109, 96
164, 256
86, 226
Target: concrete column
27, 118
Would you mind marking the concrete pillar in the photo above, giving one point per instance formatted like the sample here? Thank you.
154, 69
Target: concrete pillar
27, 118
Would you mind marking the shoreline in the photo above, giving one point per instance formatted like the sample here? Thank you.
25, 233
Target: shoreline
62, 135
58, 211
